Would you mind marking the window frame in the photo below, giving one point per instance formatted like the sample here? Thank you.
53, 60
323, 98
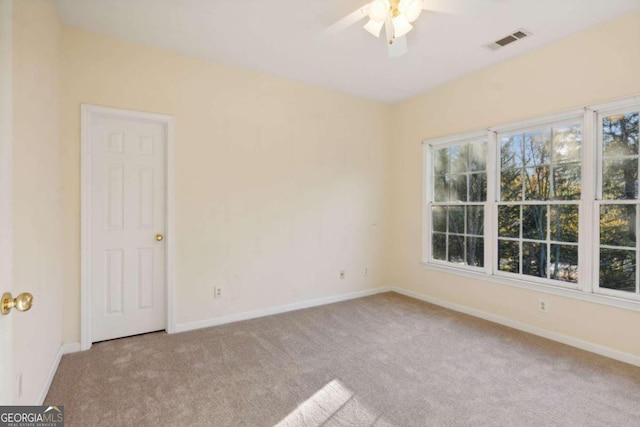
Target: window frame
574, 117
587, 288
429, 173
597, 113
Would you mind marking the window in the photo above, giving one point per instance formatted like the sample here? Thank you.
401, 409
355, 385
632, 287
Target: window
618, 134
460, 192
552, 202
538, 211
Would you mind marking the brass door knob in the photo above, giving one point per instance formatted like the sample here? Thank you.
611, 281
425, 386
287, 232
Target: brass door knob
159, 237
22, 302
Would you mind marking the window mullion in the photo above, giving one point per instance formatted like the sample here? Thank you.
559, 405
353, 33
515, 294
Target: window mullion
588, 226
491, 208
548, 237
637, 249
427, 197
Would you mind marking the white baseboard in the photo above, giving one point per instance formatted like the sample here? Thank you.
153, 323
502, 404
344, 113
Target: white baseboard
64, 349
554, 336
190, 326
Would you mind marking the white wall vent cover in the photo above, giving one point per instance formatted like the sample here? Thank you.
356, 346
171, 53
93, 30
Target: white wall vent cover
515, 36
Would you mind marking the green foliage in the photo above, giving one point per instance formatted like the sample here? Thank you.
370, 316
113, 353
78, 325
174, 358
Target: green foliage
540, 165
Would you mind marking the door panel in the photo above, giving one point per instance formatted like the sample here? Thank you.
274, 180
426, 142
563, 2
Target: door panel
127, 211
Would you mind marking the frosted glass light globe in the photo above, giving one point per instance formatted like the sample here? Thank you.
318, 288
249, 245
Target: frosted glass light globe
379, 10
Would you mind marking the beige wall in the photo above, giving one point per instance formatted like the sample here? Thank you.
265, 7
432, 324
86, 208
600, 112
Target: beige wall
279, 185
37, 209
593, 66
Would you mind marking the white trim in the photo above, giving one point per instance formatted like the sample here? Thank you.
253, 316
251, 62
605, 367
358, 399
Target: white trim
538, 122
456, 139
87, 113
619, 103
575, 293
170, 227
587, 273
7, 391
491, 206
64, 349
216, 321
427, 191
554, 336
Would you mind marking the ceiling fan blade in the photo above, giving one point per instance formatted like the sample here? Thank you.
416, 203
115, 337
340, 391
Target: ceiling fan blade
347, 21
455, 7
398, 47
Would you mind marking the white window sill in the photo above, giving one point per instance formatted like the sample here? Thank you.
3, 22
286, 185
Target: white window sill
549, 289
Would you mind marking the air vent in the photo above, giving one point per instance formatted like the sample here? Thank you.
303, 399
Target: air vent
517, 35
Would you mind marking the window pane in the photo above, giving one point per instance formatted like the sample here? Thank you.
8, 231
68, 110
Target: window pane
478, 157
456, 249
566, 181
566, 143
508, 256
564, 223
458, 188
618, 225
534, 222
439, 218
620, 179
441, 188
439, 246
441, 161
537, 183
456, 219
537, 147
618, 270
459, 158
564, 263
475, 251
509, 221
620, 135
534, 259
511, 151
475, 220
511, 185
478, 187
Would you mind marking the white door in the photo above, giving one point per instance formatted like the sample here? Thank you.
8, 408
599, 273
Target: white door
128, 219
6, 242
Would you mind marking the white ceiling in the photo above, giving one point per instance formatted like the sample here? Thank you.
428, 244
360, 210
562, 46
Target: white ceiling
281, 37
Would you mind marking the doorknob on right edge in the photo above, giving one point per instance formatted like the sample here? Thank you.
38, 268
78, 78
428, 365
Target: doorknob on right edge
159, 237
22, 302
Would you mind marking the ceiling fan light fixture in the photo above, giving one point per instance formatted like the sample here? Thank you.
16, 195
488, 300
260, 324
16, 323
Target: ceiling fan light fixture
379, 10
373, 27
401, 26
413, 10
402, 5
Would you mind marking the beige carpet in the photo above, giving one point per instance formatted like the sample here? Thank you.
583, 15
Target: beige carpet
385, 360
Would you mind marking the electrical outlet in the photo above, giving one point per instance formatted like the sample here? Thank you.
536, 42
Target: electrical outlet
366, 272
217, 292
543, 305
342, 274
19, 385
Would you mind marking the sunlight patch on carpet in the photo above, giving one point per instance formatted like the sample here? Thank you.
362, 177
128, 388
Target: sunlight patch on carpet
334, 404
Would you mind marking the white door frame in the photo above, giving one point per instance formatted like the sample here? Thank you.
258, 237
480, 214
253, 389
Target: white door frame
88, 112
7, 380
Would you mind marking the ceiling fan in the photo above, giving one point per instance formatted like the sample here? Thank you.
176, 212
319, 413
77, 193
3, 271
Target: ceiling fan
396, 17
